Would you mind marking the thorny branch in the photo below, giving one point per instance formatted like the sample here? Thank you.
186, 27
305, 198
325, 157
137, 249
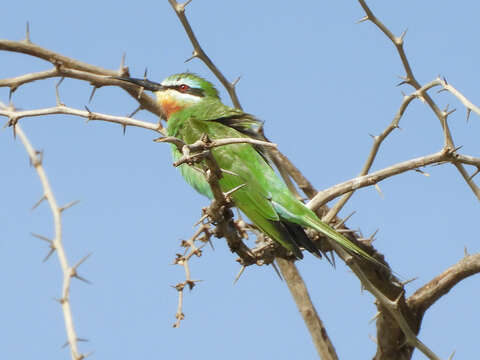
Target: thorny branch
405, 320
299, 292
202, 145
15, 115
378, 140
202, 234
446, 154
56, 245
68, 67
217, 213
406, 314
410, 79
428, 294
199, 53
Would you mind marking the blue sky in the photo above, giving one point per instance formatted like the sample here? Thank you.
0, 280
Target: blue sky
322, 84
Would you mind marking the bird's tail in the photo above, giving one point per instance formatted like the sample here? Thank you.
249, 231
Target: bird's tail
348, 245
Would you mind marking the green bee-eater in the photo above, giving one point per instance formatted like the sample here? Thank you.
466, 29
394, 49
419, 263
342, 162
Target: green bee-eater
192, 108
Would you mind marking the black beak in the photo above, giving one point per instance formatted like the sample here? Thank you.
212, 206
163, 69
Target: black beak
146, 84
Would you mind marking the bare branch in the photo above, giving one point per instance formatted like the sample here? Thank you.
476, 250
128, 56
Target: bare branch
367, 180
71, 68
199, 53
428, 294
396, 308
201, 145
56, 59
411, 80
183, 260
378, 140
314, 324
15, 82
468, 179
56, 244
15, 115
283, 163
408, 331
467, 103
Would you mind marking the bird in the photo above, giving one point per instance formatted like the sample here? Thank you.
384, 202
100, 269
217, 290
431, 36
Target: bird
192, 108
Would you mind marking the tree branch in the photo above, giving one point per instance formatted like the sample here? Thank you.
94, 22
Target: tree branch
378, 140
428, 294
202, 234
395, 308
15, 115
315, 326
388, 348
199, 53
467, 103
56, 245
411, 80
71, 68
444, 155
29, 48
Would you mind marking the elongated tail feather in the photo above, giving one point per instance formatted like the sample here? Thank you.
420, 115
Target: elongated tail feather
348, 245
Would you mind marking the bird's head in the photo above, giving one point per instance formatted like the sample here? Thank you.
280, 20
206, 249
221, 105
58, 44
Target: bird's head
178, 92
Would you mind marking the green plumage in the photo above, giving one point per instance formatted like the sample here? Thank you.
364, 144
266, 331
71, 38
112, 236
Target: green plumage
264, 198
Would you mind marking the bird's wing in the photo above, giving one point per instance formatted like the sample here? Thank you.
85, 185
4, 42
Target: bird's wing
243, 166
243, 123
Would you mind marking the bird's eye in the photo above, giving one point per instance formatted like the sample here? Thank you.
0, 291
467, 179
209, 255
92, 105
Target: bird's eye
183, 87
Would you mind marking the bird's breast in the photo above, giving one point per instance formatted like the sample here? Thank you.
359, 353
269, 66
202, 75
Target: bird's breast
169, 104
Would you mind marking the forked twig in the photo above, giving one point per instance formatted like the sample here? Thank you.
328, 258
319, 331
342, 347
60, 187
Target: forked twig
411, 80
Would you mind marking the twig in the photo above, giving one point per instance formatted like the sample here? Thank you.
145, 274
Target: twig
428, 294
299, 292
283, 162
467, 103
378, 140
32, 49
199, 53
15, 115
411, 80
183, 260
71, 68
56, 245
219, 210
442, 156
394, 307
448, 144
201, 145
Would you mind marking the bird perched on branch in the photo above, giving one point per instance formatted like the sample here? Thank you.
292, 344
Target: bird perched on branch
192, 108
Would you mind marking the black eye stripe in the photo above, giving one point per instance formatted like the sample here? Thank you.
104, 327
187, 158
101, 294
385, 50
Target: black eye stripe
192, 91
